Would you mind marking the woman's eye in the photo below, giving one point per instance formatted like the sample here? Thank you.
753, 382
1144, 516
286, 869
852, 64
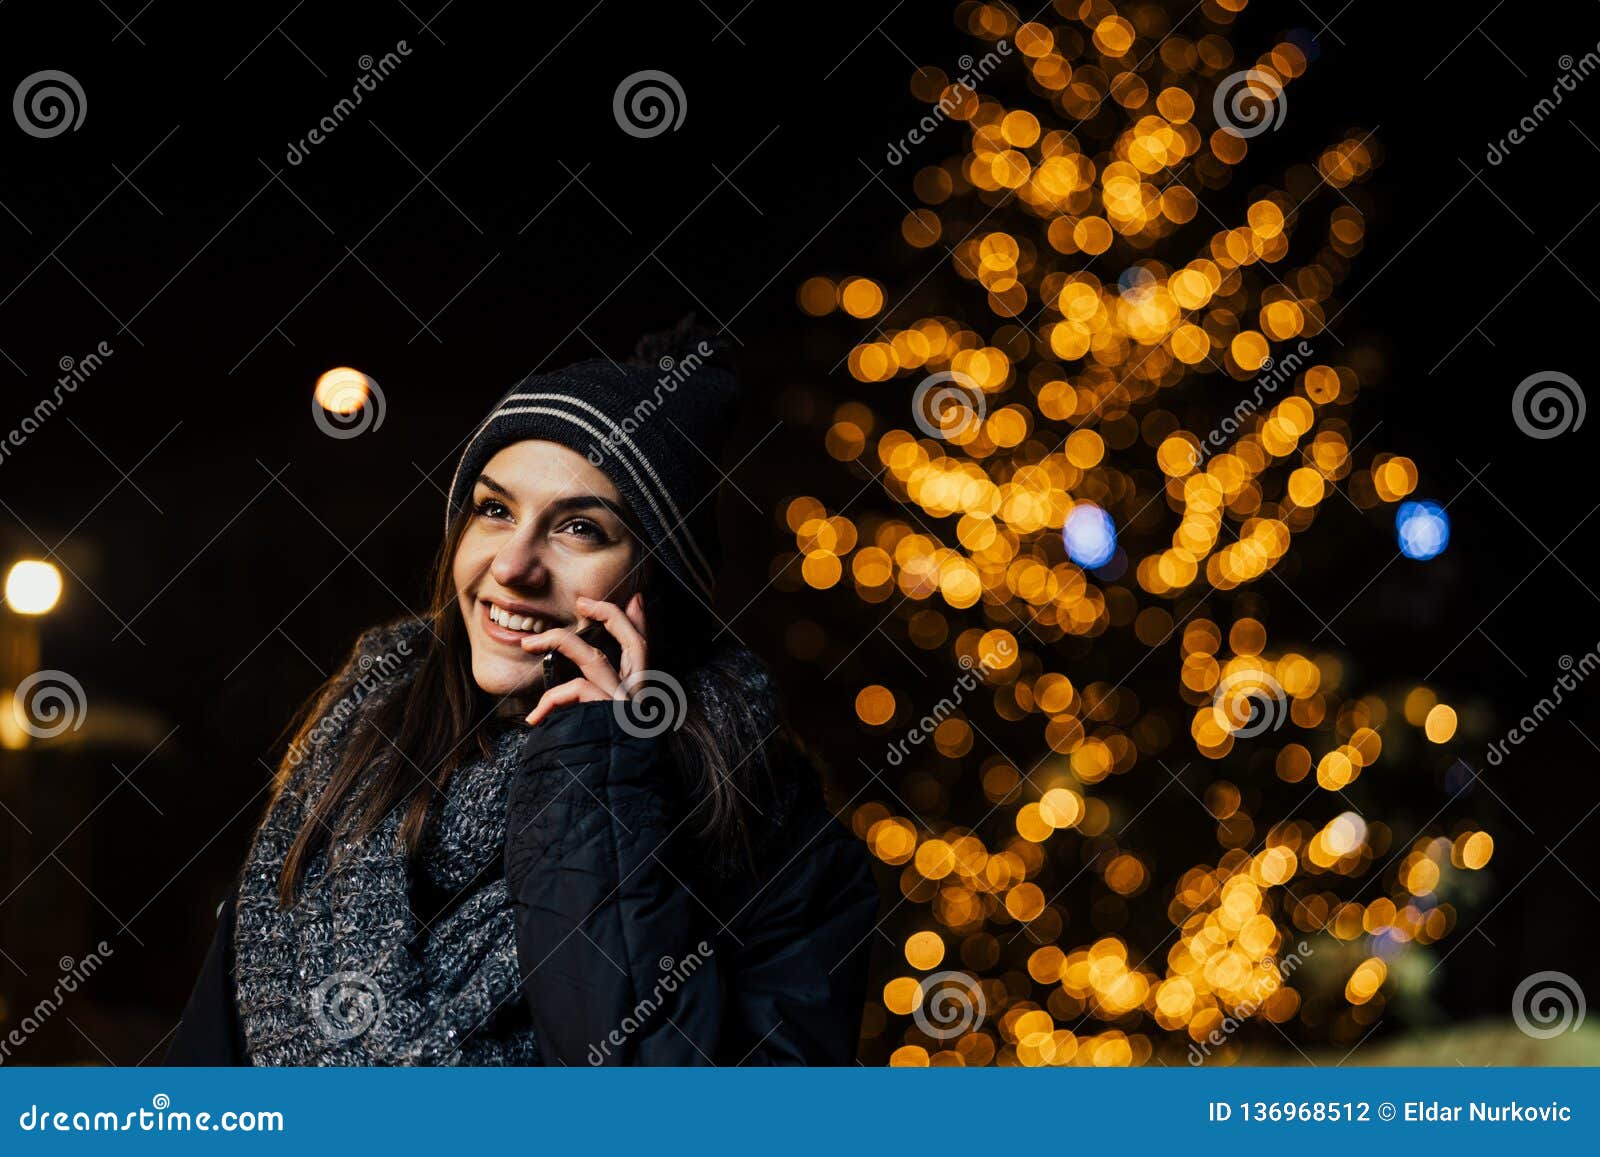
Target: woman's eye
492, 508
584, 528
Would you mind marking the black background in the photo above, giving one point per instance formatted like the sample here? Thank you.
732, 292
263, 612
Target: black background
483, 216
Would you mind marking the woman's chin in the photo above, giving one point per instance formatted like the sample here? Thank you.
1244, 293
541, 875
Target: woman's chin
506, 677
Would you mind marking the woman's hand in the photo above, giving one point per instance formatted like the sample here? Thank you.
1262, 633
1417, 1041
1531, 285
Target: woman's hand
598, 680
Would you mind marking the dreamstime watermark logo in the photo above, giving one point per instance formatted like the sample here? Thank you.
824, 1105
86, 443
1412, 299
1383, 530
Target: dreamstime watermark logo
373, 672
74, 372
650, 703
155, 1119
649, 103
1269, 978
673, 374
73, 973
1548, 1004
1572, 71
346, 1004
1548, 404
47, 703
372, 72
952, 1004
1249, 103
948, 405
955, 96
48, 104
673, 975
972, 676
347, 403
1250, 703
1546, 707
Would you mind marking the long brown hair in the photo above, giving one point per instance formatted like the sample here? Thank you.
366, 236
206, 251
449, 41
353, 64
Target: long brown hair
404, 746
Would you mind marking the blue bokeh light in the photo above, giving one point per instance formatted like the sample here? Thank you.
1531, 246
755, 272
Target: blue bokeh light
1424, 529
1090, 535
1136, 284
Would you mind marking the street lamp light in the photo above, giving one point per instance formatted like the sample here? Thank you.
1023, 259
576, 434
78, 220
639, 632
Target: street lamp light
33, 587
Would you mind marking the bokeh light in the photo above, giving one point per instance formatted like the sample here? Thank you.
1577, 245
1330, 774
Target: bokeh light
33, 587
1424, 529
1092, 536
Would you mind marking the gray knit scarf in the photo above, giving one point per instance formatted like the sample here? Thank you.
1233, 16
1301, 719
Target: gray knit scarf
348, 975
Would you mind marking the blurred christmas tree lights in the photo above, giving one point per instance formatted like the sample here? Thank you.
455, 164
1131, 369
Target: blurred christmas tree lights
1139, 408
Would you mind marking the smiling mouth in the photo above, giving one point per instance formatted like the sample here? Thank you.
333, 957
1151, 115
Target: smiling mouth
514, 623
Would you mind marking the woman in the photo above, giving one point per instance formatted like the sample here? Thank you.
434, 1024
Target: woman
498, 840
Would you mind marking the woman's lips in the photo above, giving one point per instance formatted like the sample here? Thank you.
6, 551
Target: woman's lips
498, 633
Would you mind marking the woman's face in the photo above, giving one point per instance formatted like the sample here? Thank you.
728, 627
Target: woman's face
544, 527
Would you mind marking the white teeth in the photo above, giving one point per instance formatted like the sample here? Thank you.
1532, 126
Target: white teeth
513, 622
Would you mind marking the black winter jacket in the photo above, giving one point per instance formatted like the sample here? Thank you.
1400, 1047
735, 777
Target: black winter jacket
601, 899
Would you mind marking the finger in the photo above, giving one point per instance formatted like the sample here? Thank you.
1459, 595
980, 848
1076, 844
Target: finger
572, 691
590, 660
636, 612
622, 628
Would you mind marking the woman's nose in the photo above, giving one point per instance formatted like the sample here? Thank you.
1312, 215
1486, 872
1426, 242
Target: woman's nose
519, 563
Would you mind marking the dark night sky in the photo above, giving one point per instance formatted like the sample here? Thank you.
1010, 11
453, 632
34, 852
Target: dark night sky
482, 216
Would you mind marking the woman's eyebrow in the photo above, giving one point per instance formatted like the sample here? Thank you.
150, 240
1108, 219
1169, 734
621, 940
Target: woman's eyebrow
562, 505
485, 480
583, 502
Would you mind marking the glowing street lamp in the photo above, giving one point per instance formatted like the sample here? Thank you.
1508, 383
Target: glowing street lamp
33, 587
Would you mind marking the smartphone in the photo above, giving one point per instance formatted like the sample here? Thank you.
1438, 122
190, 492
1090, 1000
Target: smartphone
559, 669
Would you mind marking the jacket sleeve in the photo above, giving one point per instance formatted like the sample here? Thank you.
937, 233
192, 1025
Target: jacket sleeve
626, 962
210, 1033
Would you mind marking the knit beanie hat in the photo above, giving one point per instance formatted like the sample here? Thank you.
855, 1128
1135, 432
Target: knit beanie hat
655, 425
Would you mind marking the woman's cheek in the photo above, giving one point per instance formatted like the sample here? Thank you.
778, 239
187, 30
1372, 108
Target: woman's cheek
612, 576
